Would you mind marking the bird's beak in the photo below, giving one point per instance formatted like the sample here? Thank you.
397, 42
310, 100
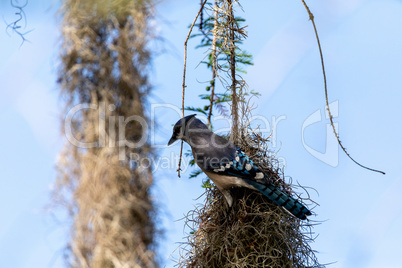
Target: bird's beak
172, 140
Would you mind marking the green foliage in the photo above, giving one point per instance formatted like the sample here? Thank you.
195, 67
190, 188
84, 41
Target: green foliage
195, 109
207, 184
218, 52
195, 173
243, 58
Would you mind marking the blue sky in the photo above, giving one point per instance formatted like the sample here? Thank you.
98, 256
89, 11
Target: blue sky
361, 42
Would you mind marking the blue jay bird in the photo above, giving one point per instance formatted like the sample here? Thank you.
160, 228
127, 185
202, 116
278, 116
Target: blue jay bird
227, 166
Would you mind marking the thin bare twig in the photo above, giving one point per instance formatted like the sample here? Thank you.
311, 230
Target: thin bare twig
15, 27
311, 16
184, 78
213, 64
232, 61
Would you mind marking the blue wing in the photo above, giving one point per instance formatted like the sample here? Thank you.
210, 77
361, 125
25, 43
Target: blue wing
239, 166
243, 167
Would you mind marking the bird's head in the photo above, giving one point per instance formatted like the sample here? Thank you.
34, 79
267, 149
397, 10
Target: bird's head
184, 127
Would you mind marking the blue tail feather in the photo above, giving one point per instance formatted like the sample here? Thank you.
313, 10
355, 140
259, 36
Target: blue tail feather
282, 199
